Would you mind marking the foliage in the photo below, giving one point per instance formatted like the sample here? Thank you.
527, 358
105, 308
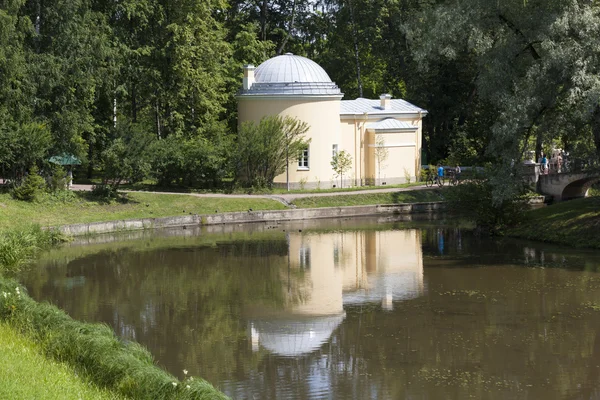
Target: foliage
31, 187
58, 179
475, 199
265, 149
341, 162
126, 158
95, 351
22, 147
19, 247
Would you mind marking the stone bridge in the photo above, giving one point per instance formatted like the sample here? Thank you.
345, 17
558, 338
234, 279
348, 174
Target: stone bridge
561, 185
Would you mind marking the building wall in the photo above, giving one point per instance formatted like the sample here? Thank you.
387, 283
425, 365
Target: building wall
350, 135
321, 115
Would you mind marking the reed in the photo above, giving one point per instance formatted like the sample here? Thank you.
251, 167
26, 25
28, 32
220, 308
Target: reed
20, 247
95, 351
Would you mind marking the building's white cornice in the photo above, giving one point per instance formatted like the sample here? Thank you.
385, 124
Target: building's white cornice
289, 97
378, 116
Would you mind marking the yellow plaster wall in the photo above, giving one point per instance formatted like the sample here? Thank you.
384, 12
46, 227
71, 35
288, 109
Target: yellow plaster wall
323, 118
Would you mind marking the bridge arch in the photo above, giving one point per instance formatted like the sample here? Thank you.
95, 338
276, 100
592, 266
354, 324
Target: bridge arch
578, 188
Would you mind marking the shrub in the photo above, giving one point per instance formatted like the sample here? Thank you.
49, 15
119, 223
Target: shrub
493, 216
104, 192
58, 179
31, 187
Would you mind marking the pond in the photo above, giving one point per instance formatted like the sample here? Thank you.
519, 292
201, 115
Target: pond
343, 309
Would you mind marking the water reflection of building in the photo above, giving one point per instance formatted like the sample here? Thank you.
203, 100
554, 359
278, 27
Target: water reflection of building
327, 271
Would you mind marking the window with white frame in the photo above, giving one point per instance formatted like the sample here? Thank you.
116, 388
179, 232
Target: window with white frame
334, 150
303, 159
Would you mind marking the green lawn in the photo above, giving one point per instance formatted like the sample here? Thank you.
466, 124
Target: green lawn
414, 196
78, 208
26, 374
574, 223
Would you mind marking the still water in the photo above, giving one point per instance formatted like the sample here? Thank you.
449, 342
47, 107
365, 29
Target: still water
347, 309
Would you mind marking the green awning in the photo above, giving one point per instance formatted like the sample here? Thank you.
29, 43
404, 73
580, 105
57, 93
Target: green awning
65, 159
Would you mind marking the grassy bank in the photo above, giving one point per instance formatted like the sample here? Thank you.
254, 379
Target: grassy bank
413, 196
574, 223
27, 374
79, 207
94, 351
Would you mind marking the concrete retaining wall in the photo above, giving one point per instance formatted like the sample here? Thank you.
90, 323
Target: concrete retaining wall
247, 217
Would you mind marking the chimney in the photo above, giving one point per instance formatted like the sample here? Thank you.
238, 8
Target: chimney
386, 102
248, 76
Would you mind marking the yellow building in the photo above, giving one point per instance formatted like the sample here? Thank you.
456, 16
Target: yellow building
383, 136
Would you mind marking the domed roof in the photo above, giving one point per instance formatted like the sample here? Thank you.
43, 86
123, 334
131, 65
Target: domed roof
289, 68
291, 75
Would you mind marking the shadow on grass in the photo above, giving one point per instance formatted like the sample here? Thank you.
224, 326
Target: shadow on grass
120, 198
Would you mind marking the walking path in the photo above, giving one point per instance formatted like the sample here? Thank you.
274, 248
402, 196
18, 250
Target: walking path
283, 197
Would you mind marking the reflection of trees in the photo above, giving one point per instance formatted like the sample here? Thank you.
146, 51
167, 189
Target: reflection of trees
183, 304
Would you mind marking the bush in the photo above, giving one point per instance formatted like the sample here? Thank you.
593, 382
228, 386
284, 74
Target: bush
95, 351
104, 192
476, 198
58, 179
31, 187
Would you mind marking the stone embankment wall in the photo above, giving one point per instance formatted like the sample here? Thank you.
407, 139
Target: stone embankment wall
247, 217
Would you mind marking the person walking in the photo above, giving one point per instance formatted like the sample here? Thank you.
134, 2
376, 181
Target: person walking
440, 174
544, 164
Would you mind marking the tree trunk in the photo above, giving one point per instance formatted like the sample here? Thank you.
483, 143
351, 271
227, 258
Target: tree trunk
263, 20
356, 50
289, 33
596, 129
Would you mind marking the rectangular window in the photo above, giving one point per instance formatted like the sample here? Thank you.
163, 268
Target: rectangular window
334, 150
303, 159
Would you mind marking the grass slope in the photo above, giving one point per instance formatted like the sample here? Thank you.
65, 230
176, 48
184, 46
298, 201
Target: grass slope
78, 208
574, 223
27, 374
413, 196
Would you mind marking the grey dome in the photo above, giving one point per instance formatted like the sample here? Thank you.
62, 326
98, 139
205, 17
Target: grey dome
290, 68
291, 75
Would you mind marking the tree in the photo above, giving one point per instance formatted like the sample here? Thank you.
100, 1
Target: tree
126, 159
381, 153
341, 162
264, 149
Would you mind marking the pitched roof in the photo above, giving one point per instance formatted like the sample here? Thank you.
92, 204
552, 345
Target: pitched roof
390, 124
361, 106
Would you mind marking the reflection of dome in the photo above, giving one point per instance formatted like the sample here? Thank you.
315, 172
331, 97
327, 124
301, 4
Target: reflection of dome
292, 338
290, 75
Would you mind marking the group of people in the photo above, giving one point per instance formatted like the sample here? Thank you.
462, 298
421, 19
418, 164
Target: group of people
440, 172
555, 164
